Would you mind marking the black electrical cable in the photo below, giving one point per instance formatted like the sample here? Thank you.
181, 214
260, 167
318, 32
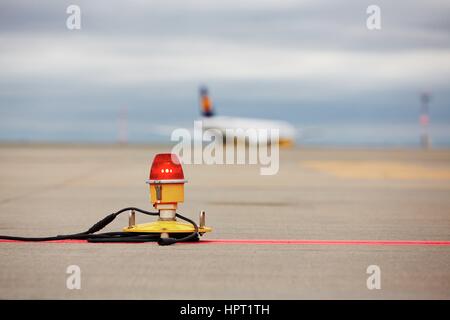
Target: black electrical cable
91, 236
191, 237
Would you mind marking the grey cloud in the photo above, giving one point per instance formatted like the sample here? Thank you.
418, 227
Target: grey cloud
311, 24
304, 61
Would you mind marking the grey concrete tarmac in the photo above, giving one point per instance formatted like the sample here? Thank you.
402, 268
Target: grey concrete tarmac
327, 194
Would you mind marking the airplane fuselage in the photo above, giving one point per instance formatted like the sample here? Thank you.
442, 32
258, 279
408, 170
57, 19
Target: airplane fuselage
239, 128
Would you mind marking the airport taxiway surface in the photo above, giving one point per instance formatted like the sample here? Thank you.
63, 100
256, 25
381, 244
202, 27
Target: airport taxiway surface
318, 194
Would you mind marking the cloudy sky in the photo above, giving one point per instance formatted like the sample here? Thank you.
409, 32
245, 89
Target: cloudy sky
313, 63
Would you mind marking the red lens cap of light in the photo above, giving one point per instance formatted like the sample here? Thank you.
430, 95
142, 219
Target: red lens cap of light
166, 166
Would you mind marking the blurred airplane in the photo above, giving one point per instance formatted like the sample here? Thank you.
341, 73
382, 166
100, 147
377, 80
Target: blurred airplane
238, 127
221, 123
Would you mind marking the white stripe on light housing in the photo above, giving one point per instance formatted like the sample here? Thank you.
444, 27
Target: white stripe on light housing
165, 181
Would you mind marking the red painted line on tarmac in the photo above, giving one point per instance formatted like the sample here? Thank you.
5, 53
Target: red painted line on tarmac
330, 242
52, 241
283, 241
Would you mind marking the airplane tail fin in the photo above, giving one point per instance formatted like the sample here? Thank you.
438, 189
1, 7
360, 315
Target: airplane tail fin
205, 102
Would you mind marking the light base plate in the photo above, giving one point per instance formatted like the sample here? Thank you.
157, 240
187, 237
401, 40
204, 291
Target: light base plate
165, 227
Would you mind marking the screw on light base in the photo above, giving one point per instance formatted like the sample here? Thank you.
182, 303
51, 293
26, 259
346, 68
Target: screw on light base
202, 221
131, 219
